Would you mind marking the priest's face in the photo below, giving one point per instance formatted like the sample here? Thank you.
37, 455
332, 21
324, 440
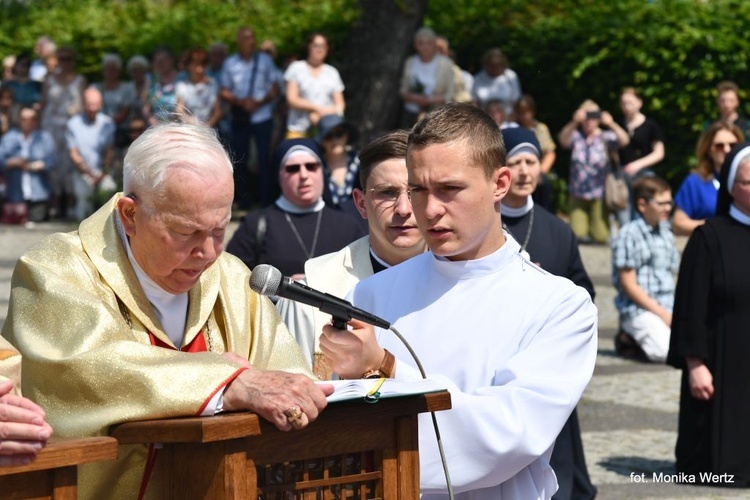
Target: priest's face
385, 204
177, 236
301, 179
524, 170
741, 188
456, 204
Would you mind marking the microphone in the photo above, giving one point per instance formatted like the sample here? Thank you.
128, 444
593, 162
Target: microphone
267, 280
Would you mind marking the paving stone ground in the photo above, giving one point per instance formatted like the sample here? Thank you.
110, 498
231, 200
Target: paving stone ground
628, 414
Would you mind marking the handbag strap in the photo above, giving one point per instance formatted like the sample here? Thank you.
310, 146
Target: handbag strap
614, 160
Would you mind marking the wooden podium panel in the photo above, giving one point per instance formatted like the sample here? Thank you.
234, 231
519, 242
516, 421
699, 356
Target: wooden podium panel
54, 473
353, 450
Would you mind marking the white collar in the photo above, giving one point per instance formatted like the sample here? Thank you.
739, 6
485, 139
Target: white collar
518, 212
489, 264
380, 261
287, 206
170, 309
739, 216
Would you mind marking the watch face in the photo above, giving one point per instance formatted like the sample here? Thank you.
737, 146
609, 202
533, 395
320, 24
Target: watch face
373, 374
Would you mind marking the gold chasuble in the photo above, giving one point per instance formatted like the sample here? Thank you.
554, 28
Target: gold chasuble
10, 365
95, 354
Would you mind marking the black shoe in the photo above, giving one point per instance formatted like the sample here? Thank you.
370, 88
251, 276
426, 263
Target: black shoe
627, 347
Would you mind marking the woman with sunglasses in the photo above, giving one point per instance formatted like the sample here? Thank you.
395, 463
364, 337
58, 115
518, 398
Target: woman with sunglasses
695, 201
299, 225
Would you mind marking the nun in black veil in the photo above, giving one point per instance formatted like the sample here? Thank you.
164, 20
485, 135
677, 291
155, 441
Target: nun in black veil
710, 340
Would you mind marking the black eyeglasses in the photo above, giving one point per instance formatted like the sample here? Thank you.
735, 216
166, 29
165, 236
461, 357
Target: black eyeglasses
310, 167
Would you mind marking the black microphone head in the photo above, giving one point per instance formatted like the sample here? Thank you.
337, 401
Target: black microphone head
265, 280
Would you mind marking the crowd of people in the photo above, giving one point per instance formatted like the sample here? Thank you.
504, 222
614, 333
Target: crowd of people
438, 226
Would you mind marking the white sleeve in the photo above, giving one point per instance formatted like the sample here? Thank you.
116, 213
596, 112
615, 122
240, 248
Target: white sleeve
300, 320
496, 431
215, 405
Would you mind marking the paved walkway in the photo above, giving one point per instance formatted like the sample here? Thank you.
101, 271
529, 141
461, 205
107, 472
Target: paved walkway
628, 413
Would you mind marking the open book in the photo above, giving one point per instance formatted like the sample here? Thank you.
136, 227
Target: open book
359, 388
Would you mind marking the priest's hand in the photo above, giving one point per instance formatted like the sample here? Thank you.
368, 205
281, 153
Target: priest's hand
23, 428
287, 400
353, 352
700, 379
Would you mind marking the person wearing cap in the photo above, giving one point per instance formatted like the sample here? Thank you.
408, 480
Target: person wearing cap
337, 137
549, 243
299, 225
393, 237
709, 340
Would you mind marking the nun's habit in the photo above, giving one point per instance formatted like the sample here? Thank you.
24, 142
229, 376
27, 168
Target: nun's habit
711, 321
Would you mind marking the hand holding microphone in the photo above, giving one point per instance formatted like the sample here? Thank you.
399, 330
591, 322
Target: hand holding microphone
351, 352
267, 280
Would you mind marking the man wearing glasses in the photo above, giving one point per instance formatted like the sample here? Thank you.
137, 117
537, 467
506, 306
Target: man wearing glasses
299, 225
393, 238
644, 258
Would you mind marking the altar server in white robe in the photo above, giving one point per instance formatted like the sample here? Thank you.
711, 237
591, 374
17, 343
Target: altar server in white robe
393, 237
515, 345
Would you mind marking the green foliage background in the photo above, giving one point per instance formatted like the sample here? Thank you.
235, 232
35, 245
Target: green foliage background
129, 27
673, 51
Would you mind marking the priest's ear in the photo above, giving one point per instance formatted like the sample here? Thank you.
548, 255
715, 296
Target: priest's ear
126, 208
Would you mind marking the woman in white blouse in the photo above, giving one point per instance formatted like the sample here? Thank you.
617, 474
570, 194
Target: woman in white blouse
313, 89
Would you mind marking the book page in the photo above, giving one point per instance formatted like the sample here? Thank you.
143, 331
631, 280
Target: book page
359, 388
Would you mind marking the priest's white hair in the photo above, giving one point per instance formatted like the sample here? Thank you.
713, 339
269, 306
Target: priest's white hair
170, 145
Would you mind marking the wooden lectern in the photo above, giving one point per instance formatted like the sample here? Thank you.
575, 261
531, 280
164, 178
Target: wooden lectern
354, 449
54, 473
